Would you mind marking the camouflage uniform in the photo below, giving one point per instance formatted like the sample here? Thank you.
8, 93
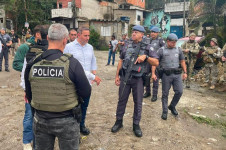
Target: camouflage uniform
222, 71
211, 57
190, 58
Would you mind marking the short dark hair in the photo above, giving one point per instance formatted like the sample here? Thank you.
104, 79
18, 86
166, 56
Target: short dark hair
82, 28
44, 31
113, 36
37, 29
71, 30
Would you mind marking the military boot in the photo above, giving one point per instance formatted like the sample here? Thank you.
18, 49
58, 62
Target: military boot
223, 89
164, 115
154, 98
212, 87
146, 94
173, 110
84, 130
188, 85
118, 125
137, 130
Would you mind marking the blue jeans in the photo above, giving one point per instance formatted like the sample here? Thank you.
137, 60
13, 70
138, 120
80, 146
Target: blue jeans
109, 57
27, 124
84, 109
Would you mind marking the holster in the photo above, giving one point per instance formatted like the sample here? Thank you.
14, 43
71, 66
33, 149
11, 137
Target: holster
146, 79
77, 113
160, 72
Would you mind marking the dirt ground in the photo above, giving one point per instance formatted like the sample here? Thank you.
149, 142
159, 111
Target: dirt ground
183, 133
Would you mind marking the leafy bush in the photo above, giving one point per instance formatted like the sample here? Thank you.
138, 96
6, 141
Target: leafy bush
94, 39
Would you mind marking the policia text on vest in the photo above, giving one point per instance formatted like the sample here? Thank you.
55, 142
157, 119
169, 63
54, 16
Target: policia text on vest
48, 72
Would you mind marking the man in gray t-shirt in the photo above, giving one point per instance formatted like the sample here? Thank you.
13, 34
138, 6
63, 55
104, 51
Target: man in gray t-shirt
6, 42
113, 45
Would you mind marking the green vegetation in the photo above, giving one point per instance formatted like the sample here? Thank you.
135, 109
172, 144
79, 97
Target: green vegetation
94, 39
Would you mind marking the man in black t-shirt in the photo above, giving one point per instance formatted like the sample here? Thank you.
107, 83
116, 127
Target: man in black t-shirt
15, 42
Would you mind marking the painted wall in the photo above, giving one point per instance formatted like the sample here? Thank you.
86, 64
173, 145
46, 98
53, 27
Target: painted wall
159, 19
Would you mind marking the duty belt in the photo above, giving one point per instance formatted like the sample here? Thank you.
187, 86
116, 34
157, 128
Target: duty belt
172, 71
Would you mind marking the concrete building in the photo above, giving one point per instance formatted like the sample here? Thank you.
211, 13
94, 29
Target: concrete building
175, 8
2, 17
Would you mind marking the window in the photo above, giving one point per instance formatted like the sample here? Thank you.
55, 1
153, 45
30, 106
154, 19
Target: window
60, 5
138, 18
1, 20
69, 5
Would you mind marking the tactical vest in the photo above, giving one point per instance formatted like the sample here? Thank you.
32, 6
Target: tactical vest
33, 51
170, 59
52, 89
209, 58
155, 44
140, 68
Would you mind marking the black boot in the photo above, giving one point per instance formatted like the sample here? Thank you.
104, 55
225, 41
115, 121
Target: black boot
146, 94
118, 125
84, 130
173, 110
137, 130
164, 115
154, 98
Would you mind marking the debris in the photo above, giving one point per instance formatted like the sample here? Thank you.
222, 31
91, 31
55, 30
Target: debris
195, 115
212, 139
216, 115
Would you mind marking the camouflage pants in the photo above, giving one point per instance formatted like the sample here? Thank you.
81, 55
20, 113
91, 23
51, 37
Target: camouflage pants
190, 67
211, 73
221, 72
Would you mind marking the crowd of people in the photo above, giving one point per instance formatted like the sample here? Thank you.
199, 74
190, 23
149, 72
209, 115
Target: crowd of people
58, 68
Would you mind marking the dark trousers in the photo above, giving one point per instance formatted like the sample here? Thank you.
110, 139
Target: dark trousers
4, 54
65, 129
176, 81
111, 53
136, 85
154, 87
84, 107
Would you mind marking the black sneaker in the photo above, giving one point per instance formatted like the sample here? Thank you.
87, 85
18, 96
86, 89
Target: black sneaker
173, 110
84, 130
7, 70
118, 125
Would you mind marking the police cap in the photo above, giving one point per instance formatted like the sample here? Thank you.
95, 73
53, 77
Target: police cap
214, 40
155, 29
172, 37
139, 28
192, 34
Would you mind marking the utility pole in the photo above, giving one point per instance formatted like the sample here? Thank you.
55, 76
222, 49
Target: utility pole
73, 13
184, 21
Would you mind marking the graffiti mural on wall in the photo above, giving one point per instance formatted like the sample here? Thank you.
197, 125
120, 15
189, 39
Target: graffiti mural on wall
159, 19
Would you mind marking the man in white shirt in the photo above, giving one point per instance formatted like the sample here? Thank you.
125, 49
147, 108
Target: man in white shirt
113, 45
83, 52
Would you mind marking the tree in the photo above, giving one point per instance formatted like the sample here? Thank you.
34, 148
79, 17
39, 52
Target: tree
33, 11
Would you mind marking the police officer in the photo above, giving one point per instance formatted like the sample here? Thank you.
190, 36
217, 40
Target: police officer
6, 43
211, 57
190, 50
170, 59
54, 82
136, 54
156, 42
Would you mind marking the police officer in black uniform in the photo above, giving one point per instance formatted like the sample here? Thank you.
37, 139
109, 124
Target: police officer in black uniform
132, 66
170, 60
6, 43
156, 42
54, 82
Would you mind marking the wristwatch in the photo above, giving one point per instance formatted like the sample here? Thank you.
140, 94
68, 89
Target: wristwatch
147, 57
